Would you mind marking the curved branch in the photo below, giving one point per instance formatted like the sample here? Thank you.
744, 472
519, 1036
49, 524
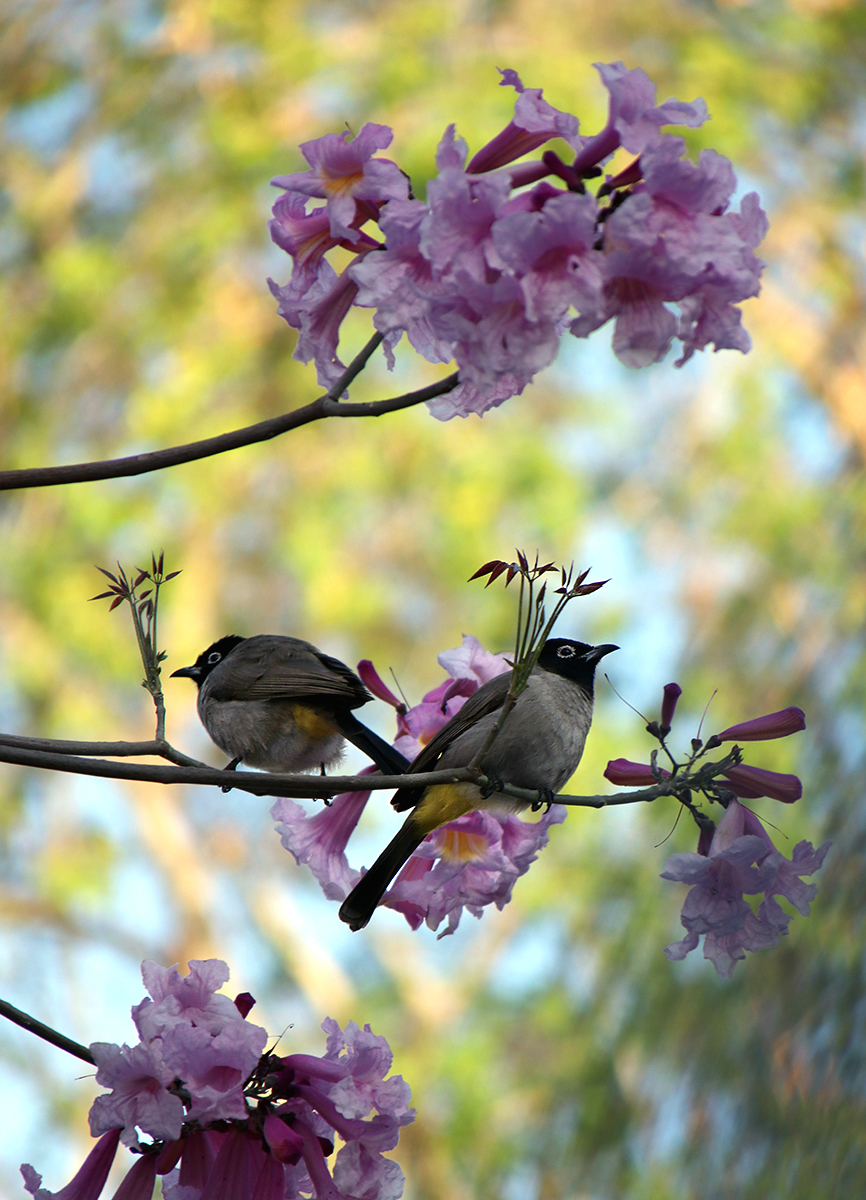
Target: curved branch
69, 757
157, 460
160, 749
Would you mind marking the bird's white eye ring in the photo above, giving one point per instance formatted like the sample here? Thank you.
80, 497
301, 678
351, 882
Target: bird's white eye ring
565, 652
214, 658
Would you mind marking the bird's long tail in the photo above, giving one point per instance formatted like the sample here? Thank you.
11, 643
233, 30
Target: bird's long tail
387, 759
361, 902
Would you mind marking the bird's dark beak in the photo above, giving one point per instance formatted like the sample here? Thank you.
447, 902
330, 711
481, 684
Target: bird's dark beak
186, 673
598, 652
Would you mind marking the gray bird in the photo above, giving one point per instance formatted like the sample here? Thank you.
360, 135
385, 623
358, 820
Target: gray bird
538, 748
280, 704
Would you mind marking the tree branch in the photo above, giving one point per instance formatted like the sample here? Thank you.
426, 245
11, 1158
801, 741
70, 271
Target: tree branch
69, 757
159, 749
157, 460
45, 1032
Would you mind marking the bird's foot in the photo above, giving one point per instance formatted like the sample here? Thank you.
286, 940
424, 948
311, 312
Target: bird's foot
493, 784
322, 770
232, 766
546, 797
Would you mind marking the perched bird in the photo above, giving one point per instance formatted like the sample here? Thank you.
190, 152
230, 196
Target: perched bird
280, 704
538, 747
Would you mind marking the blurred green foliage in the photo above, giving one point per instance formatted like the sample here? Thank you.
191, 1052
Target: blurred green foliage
553, 1051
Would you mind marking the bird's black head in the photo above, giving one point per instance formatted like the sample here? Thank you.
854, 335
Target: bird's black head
575, 660
208, 659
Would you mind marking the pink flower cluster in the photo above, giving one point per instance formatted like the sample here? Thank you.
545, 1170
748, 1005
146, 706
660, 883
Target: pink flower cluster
502, 260
738, 858
468, 863
226, 1123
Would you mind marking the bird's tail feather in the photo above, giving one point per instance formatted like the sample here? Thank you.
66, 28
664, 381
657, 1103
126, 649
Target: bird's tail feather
360, 904
387, 759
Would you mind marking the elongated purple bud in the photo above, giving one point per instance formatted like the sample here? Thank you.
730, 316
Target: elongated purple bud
316, 1068
630, 774
373, 683
764, 729
705, 840
672, 693
751, 782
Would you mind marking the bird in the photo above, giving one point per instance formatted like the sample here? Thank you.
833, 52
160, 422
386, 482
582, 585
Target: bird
538, 747
280, 704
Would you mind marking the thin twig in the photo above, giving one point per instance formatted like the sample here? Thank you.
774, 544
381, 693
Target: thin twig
45, 1032
157, 460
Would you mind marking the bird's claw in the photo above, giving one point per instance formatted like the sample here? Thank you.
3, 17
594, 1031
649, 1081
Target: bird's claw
546, 796
493, 784
232, 766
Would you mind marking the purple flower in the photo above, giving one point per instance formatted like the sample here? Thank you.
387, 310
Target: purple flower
741, 861
552, 251
751, 782
633, 117
215, 1068
344, 173
672, 693
398, 281
89, 1181
535, 122
373, 682
138, 1077
624, 773
468, 863
191, 998
319, 841
761, 729
318, 314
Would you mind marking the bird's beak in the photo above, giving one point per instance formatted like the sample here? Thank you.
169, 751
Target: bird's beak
185, 673
598, 652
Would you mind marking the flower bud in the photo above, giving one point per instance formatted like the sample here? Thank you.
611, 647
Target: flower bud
763, 729
705, 839
751, 782
672, 693
286, 1145
244, 1003
373, 683
630, 774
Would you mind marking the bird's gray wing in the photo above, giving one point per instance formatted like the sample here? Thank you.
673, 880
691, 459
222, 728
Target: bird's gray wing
282, 668
488, 699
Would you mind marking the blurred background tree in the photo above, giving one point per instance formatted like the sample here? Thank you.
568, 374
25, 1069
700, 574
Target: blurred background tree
553, 1050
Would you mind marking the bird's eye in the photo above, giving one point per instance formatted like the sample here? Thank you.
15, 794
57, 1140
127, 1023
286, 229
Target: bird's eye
565, 652
214, 658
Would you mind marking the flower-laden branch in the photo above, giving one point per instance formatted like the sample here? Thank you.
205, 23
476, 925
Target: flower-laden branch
501, 261
215, 1106
72, 760
475, 860
327, 405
